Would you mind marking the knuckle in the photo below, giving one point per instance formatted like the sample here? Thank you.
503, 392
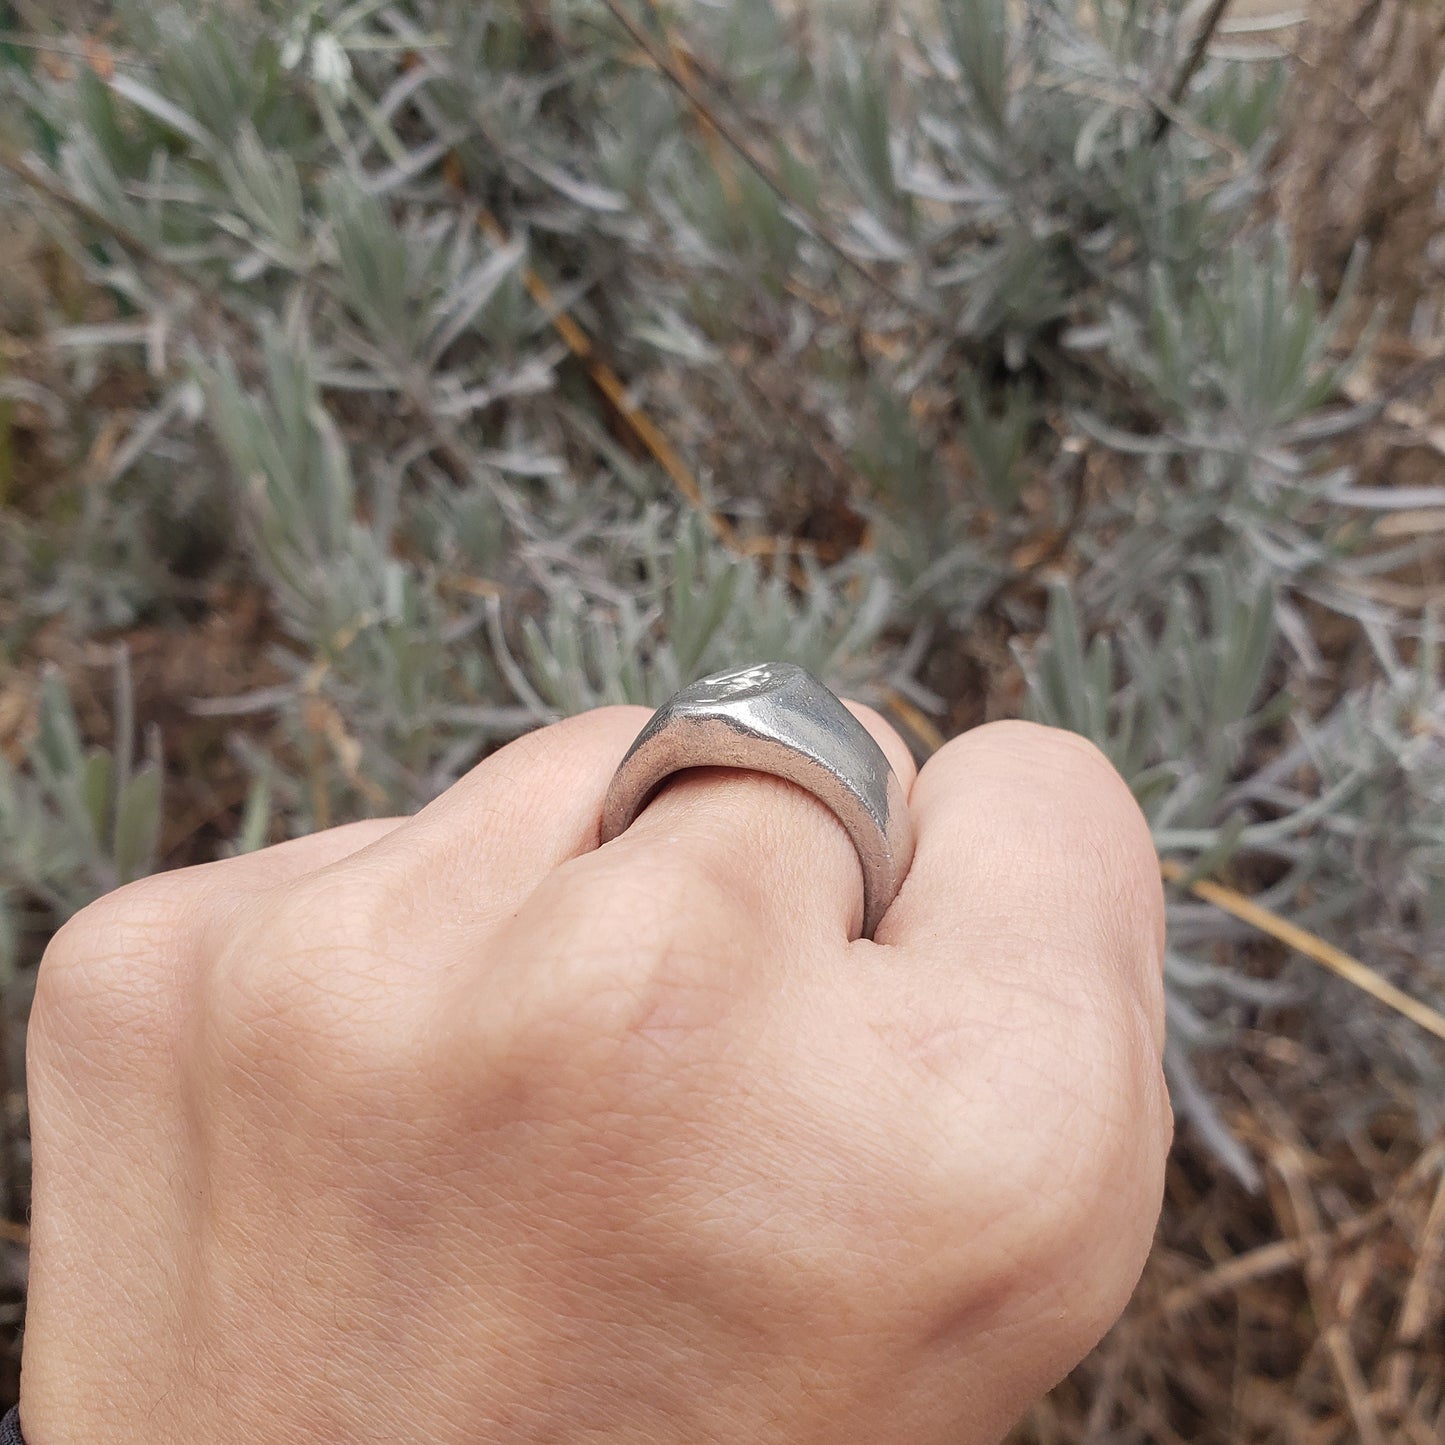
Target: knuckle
110, 975
1040, 745
1101, 815
566, 747
1090, 806
125, 924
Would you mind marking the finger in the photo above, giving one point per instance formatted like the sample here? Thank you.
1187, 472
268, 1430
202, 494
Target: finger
282, 862
1032, 853
193, 900
768, 846
1024, 977
478, 851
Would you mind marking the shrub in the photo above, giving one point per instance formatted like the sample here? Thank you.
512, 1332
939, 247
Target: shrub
523, 358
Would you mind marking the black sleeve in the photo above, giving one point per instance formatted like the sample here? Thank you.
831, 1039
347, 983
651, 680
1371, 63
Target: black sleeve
10, 1429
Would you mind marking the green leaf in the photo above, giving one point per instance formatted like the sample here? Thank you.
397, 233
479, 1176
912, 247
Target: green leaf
256, 818
58, 739
167, 112
97, 787
138, 824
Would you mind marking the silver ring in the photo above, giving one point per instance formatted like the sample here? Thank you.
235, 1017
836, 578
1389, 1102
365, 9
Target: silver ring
777, 718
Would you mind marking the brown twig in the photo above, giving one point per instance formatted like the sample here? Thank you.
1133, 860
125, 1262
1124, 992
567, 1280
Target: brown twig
27, 40
711, 136
1302, 941
1421, 1302
610, 384
37, 181
1334, 1331
736, 142
1074, 471
1192, 61
1242, 1270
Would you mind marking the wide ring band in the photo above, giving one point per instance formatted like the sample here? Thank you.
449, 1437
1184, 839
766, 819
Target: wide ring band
777, 718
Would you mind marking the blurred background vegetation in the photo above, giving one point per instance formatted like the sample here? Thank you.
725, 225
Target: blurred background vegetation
381, 379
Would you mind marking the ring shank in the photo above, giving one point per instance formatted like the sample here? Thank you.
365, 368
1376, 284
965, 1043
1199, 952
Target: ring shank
838, 762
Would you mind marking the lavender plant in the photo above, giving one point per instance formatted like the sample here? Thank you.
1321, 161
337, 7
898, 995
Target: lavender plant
958, 329
75, 821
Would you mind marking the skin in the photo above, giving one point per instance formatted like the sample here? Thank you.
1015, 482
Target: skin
460, 1128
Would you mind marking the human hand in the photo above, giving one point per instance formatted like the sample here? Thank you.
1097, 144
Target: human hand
460, 1129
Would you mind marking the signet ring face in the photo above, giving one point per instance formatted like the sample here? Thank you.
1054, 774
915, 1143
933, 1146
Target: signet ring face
777, 718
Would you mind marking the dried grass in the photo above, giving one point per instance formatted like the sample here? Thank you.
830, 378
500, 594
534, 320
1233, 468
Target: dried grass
1366, 157
1311, 1315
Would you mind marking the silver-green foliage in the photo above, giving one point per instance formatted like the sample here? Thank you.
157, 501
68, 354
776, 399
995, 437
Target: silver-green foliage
697, 612
75, 820
978, 285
